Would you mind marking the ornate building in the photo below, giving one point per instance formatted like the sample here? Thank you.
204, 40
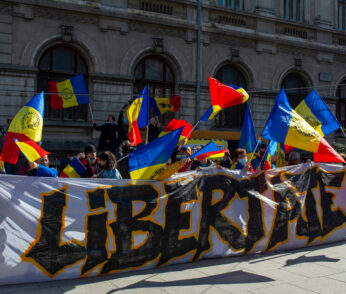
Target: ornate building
123, 45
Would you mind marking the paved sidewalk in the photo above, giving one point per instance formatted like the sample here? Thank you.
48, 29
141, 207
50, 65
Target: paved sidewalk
320, 269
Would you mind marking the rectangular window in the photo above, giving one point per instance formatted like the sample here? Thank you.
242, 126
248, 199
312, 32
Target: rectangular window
233, 4
341, 15
294, 10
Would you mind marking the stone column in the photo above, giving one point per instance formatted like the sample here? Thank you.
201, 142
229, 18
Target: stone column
323, 14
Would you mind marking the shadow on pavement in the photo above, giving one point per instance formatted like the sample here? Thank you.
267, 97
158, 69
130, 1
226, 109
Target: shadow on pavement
305, 259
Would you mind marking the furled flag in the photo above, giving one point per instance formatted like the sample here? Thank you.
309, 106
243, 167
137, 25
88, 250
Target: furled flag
270, 152
138, 116
68, 93
317, 114
75, 169
26, 125
248, 138
285, 126
31, 150
207, 151
162, 105
176, 124
148, 160
222, 97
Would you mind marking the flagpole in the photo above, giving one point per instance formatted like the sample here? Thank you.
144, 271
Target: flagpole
343, 132
258, 142
121, 159
91, 112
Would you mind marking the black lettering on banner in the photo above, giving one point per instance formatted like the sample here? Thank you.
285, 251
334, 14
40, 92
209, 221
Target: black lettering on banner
126, 255
47, 251
212, 213
332, 218
173, 246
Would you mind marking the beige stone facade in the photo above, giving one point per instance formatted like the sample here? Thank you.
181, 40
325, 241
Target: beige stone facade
259, 39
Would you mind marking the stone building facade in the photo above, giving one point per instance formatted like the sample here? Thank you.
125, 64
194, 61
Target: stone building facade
123, 45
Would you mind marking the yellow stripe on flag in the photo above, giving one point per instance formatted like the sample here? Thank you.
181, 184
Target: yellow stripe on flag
133, 111
301, 135
2, 166
28, 121
305, 112
146, 173
246, 95
216, 110
69, 171
30, 153
66, 92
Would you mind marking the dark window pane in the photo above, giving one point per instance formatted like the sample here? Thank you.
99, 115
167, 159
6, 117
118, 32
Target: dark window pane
81, 66
63, 59
295, 89
153, 69
68, 113
81, 112
222, 2
139, 71
168, 74
45, 61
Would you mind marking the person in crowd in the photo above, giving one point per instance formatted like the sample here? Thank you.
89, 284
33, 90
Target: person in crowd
90, 161
24, 168
108, 166
240, 161
196, 164
185, 152
123, 126
108, 138
124, 149
293, 158
65, 160
257, 158
226, 160
154, 129
40, 168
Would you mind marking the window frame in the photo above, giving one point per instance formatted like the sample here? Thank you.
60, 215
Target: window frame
341, 15
294, 10
294, 98
341, 103
231, 4
50, 74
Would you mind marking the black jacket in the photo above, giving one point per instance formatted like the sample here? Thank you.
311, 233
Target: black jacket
108, 135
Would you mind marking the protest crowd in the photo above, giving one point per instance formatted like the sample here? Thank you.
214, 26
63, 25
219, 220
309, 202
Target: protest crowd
122, 154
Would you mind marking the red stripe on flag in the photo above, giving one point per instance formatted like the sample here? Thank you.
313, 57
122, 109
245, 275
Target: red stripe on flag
327, 153
37, 147
134, 135
55, 100
205, 155
175, 102
223, 95
10, 150
63, 175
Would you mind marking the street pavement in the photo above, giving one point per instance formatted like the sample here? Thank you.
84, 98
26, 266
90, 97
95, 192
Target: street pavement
320, 269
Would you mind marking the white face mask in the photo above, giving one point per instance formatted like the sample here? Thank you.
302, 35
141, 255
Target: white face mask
242, 161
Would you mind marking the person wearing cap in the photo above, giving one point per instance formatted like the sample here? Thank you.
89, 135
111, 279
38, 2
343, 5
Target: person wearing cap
90, 161
226, 160
293, 158
185, 152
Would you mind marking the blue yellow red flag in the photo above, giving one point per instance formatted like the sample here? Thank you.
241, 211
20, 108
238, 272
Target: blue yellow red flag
209, 150
31, 150
248, 138
318, 115
147, 161
75, 169
26, 125
138, 116
223, 96
163, 105
68, 93
270, 152
175, 124
285, 126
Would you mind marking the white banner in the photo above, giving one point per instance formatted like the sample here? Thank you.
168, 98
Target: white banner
66, 228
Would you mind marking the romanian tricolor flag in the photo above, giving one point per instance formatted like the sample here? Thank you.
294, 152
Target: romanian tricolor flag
138, 116
68, 93
317, 114
175, 124
148, 160
31, 150
26, 125
222, 97
163, 105
285, 126
267, 157
75, 169
209, 150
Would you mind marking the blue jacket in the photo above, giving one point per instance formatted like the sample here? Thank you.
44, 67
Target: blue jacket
44, 171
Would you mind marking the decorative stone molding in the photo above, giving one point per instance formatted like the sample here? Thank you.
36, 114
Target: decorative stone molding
24, 11
66, 32
106, 24
158, 44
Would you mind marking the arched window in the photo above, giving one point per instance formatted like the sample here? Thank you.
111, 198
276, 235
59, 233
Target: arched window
231, 117
156, 73
56, 64
341, 105
295, 89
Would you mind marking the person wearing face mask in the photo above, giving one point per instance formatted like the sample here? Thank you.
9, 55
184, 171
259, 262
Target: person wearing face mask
240, 161
108, 139
40, 168
90, 161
